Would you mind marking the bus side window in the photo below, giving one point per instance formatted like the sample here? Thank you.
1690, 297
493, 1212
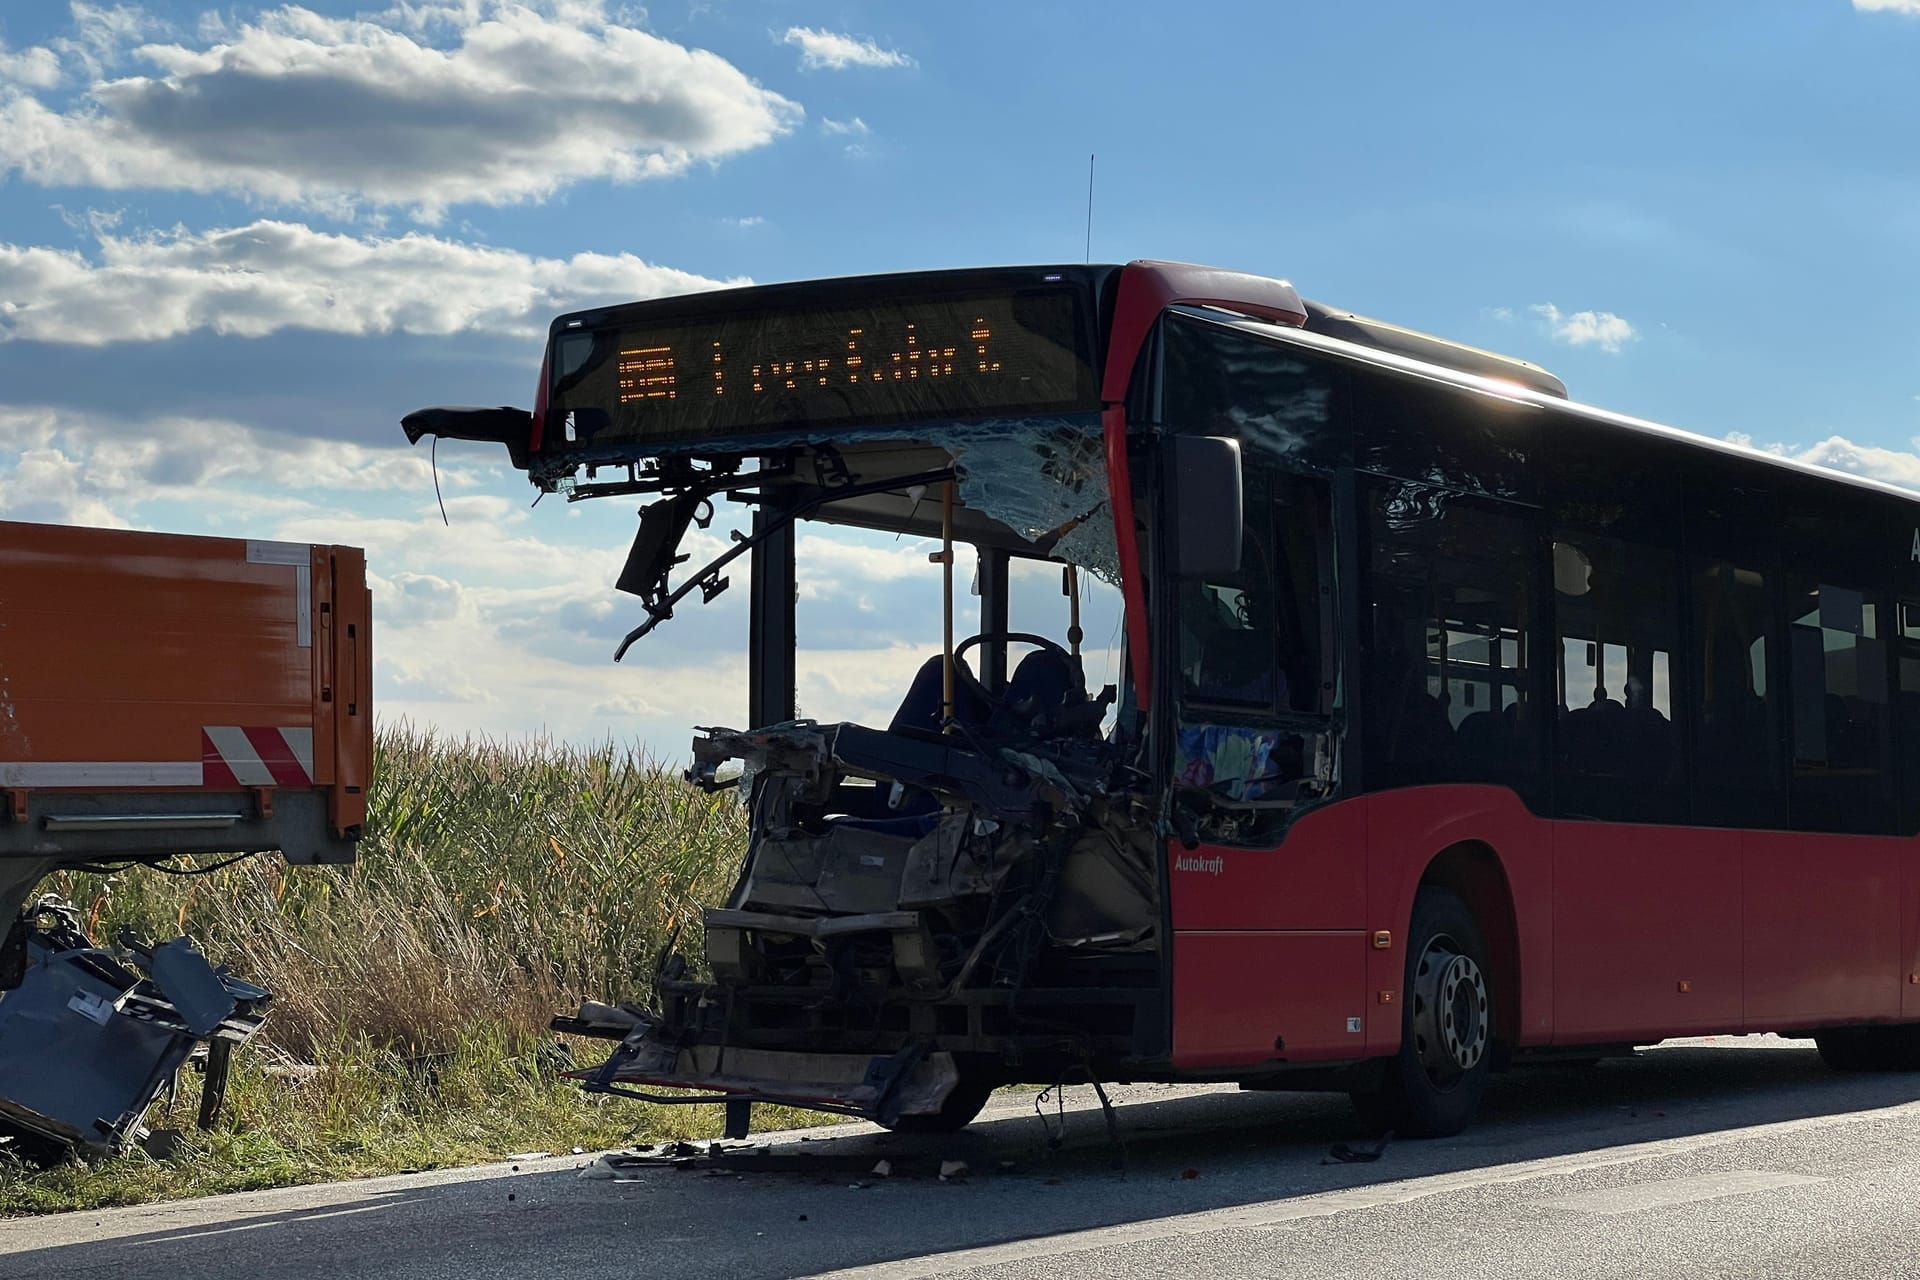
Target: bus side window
1449, 689
1255, 642
1617, 618
1736, 722
1906, 714
1841, 768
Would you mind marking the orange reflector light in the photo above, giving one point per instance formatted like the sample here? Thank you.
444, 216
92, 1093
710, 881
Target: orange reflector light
1382, 939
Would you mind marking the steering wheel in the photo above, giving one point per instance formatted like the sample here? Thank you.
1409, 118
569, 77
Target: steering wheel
1025, 637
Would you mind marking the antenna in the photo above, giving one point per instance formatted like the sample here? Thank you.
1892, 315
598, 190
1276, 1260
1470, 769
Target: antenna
1089, 206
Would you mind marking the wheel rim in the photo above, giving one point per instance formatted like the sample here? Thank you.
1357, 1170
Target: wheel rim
1449, 1012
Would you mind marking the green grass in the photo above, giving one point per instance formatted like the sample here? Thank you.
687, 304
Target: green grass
496, 886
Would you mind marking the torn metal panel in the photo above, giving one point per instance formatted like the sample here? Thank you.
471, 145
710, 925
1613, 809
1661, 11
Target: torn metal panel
940, 903
89, 1038
911, 1082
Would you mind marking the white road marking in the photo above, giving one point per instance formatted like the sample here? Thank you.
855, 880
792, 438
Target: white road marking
1279, 1213
269, 1222
1672, 1191
195, 1235
341, 1213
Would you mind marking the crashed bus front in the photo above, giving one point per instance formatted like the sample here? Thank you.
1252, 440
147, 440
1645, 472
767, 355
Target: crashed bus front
967, 893
1012, 876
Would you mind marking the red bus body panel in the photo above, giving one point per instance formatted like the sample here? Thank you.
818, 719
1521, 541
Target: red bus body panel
1621, 933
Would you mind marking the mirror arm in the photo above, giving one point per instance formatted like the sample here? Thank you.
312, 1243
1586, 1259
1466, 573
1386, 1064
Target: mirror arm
660, 612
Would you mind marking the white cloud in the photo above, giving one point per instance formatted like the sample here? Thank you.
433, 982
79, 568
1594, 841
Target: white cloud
1888, 6
103, 33
488, 101
33, 68
856, 127
75, 468
254, 280
752, 220
834, 51
1582, 328
1837, 453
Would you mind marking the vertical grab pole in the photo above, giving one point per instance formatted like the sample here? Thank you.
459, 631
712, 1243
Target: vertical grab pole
1070, 585
946, 608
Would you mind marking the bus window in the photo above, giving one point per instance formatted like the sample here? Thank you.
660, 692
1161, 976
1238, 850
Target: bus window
1736, 759
1841, 771
1252, 661
1253, 643
1906, 714
1449, 691
1616, 618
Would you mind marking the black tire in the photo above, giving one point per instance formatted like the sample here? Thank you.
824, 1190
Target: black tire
960, 1109
1870, 1048
1432, 1086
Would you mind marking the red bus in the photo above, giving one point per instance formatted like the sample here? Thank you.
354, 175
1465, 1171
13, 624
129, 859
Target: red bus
1458, 722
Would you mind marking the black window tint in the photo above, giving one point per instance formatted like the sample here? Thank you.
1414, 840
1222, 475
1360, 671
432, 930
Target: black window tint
1841, 773
1616, 610
1736, 757
1279, 402
1906, 714
1410, 428
1253, 640
1449, 694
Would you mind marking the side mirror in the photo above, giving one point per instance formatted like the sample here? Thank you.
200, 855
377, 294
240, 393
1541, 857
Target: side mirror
510, 427
1203, 490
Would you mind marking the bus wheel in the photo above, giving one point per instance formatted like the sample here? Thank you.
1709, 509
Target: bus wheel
1433, 1085
955, 1114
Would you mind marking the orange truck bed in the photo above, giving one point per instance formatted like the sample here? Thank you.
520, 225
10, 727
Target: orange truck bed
164, 695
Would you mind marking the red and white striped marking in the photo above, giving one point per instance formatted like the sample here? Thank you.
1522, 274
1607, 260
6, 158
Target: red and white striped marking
235, 756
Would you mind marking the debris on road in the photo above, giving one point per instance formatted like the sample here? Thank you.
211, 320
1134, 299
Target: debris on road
1362, 1153
90, 1037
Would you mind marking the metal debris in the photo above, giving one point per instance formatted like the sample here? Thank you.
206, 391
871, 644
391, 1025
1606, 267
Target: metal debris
90, 1037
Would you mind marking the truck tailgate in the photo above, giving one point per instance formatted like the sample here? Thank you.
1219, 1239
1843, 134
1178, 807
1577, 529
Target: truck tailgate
163, 694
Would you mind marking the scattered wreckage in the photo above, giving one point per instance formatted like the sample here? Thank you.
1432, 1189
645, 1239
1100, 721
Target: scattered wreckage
91, 1037
161, 697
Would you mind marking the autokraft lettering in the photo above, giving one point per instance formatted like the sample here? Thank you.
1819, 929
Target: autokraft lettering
1212, 866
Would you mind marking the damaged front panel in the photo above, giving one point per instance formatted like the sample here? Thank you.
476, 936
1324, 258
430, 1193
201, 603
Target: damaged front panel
90, 1037
958, 906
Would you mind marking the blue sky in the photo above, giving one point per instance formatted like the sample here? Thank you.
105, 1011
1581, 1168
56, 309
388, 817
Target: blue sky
237, 244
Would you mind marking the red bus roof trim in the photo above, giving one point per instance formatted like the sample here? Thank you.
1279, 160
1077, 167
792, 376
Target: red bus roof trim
1148, 287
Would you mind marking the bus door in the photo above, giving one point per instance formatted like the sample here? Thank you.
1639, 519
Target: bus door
1269, 950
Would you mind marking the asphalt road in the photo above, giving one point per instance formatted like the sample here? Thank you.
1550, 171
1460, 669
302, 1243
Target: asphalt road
1740, 1157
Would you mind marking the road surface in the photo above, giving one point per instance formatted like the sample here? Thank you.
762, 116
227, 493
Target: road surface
1738, 1157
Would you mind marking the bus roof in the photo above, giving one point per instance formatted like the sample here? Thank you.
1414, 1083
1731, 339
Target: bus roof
1515, 392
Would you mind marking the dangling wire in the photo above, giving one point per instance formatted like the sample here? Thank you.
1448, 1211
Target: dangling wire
433, 455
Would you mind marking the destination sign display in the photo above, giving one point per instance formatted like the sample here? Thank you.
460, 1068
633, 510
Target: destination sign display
1003, 353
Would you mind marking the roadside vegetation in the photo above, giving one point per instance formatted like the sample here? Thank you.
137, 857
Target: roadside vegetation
497, 885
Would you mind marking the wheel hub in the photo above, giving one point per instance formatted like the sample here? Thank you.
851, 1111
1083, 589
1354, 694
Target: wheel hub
1449, 1012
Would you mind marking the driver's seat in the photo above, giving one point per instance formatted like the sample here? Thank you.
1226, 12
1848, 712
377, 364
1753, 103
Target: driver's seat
920, 709
1046, 681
